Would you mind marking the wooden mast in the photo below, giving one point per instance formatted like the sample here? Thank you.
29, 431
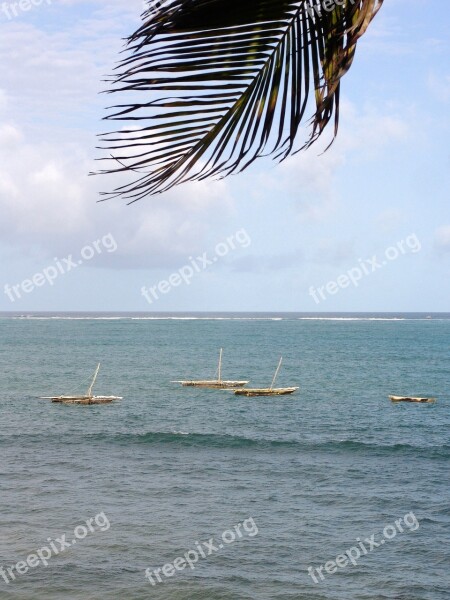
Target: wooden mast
89, 392
276, 373
220, 365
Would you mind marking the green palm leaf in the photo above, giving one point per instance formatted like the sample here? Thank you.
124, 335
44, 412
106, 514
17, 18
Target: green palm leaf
227, 81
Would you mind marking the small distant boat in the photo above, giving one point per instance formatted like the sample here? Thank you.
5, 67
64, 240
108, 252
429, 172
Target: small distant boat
272, 391
87, 398
418, 399
218, 383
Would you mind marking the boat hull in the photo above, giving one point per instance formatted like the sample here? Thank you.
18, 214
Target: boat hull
218, 385
84, 400
266, 391
418, 400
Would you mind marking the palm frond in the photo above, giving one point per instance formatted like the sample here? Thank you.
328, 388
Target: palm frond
224, 82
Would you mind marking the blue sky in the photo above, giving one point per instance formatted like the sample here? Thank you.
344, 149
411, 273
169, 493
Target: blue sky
313, 221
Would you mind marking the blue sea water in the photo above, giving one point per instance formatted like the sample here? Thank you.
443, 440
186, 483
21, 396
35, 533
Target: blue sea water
171, 466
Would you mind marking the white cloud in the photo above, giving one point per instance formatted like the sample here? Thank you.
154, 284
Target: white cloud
50, 81
389, 219
3, 101
442, 239
48, 201
370, 130
309, 178
334, 252
10, 137
56, 75
439, 86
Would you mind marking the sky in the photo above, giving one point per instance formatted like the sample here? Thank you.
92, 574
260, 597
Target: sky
364, 226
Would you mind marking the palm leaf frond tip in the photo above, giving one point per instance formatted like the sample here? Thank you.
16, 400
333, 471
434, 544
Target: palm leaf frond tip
223, 82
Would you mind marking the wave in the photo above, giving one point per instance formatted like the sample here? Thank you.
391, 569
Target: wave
57, 318
225, 441
32, 318
207, 319
357, 319
220, 317
231, 441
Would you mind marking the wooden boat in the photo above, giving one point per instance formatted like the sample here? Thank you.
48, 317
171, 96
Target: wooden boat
418, 399
271, 391
87, 398
218, 383
265, 391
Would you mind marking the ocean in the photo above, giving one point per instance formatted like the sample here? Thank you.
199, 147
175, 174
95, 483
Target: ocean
184, 493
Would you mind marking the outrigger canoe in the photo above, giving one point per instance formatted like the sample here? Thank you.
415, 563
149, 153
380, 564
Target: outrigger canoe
87, 398
418, 399
271, 391
218, 383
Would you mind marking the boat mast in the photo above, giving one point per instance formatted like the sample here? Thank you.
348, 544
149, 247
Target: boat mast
220, 365
276, 373
89, 392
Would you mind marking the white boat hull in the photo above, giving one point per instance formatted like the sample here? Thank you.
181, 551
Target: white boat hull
417, 399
